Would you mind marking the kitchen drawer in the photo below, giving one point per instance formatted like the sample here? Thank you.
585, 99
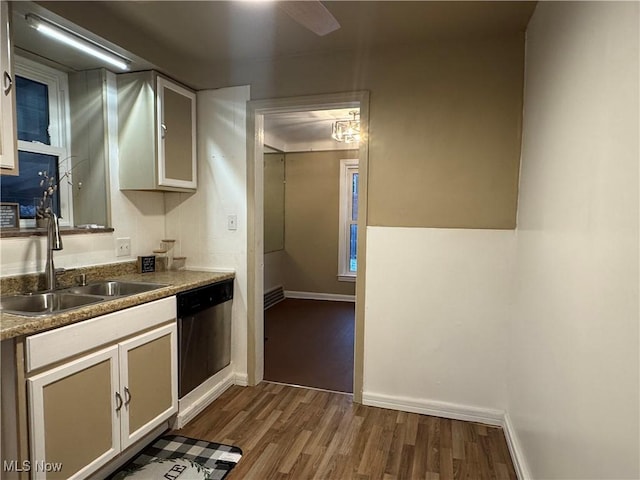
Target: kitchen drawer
55, 345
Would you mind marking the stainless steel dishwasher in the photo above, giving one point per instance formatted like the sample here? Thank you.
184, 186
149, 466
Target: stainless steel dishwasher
204, 333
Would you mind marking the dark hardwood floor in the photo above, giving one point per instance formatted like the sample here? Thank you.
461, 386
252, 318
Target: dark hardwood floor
310, 343
297, 433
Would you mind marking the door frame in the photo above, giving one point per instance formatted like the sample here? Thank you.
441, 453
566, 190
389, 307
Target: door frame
256, 110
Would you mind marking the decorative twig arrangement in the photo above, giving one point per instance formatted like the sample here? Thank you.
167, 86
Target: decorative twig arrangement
50, 186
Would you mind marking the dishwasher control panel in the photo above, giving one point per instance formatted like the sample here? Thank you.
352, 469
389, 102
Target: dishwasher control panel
198, 299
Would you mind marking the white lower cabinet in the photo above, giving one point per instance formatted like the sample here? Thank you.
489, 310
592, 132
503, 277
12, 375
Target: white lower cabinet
84, 412
75, 426
148, 382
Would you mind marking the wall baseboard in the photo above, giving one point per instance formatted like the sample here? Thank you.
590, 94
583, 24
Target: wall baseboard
194, 407
435, 408
517, 455
205, 394
335, 297
241, 379
498, 418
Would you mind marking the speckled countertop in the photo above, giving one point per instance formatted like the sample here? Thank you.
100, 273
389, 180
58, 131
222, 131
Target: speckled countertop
176, 281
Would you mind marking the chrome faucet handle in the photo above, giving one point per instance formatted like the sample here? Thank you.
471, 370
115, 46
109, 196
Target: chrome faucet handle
82, 279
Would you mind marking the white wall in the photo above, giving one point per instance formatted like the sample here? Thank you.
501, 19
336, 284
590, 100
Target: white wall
137, 215
436, 319
573, 378
199, 221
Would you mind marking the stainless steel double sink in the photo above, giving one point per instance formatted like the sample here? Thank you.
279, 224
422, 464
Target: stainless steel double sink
49, 303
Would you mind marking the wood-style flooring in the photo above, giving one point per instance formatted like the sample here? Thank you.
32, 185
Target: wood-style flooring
310, 343
297, 433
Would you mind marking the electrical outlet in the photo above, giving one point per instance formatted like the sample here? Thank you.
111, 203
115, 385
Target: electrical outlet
232, 222
123, 247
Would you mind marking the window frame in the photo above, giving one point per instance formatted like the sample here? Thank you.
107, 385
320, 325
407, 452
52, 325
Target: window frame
59, 134
348, 167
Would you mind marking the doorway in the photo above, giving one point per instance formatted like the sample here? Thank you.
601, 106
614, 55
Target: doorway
255, 172
309, 343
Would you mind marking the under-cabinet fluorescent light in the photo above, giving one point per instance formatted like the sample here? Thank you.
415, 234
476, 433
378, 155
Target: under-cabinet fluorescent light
75, 41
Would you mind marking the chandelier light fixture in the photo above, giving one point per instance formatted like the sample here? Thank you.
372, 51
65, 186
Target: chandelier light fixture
347, 131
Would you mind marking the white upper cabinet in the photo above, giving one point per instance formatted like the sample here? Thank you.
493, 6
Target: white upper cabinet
7, 97
156, 133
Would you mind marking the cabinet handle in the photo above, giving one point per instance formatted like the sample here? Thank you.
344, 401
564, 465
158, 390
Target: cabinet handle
8, 83
127, 396
118, 402
163, 129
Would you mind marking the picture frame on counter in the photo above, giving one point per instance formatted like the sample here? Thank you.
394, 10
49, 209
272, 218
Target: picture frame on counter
146, 264
9, 215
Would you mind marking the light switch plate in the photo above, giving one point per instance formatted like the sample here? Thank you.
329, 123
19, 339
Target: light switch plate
232, 222
123, 247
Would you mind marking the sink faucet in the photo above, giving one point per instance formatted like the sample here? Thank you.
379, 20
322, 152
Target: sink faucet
54, 242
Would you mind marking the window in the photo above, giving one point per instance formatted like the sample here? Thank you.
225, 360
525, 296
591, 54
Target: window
42, 119
348, 230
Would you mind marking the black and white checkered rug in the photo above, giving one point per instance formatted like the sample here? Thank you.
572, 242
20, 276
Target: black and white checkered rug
181, 458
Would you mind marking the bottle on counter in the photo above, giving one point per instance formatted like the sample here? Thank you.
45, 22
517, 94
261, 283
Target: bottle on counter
179, 263
168, 245
161, 260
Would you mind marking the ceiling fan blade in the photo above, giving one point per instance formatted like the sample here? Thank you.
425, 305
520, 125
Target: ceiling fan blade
312, 15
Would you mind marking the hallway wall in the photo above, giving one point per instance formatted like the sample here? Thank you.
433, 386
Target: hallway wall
312, 199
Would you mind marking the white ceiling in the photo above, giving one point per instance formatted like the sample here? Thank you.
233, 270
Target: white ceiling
304, 131
175, 35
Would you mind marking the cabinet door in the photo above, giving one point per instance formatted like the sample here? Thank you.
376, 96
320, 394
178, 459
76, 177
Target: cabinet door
176, 135
7, 97
149, 382
73, 412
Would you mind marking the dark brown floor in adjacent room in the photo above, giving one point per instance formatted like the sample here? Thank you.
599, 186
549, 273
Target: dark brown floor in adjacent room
310, 343
297, 433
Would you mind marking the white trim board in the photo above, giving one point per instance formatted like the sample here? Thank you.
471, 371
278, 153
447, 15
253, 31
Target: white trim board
242, 379
212, 388
193, 403
256, 111
454, 411
517, 455
435, 408
335, 297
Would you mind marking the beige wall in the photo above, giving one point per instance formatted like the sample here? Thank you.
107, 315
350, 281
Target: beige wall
445, 116
273, 202
274, 270
445, 124
311, 219
445, 137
